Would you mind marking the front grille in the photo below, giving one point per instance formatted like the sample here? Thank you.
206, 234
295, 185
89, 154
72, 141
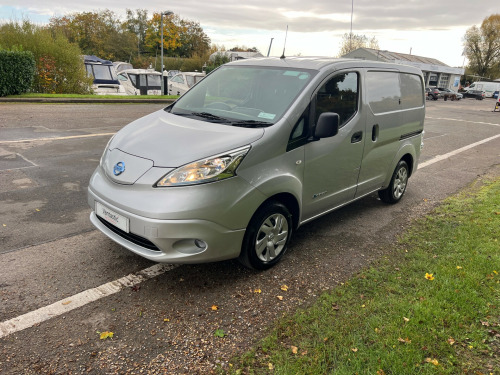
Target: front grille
134, 238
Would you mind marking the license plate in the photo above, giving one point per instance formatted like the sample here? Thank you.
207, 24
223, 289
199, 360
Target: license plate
112, 217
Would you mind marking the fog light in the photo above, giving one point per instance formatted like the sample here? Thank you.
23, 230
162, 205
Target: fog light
200, 244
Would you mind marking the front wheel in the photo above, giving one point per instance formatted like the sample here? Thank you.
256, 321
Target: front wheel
397, 187
267, 236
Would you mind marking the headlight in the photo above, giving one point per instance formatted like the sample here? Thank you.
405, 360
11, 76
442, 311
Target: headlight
106, 149
207, 170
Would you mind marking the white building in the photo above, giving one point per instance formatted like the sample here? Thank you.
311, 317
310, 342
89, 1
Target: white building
435, 72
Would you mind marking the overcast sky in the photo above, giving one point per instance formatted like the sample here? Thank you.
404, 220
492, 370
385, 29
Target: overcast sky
427, 28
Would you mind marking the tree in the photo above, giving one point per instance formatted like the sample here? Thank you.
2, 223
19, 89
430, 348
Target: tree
351, 42
171, 34
137, 24
193, 40
97, 33
482, 47
59, 66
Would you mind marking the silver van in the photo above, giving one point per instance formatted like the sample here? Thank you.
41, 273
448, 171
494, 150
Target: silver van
253, 151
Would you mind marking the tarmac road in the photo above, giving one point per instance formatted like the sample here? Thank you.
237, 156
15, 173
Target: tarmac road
50, 255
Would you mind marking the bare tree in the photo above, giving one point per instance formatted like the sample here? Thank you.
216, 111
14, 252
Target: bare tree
482, 47
351, 42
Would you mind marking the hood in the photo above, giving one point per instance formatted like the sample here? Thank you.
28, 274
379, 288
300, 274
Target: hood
170, 141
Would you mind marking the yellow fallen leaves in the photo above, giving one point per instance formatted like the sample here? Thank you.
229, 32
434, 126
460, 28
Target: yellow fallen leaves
284, 288
270, 366
65, 303
429, 276
451, 341
294, 349
434, 361
105, 335
354, 349
215, 307
459, 267
257, 291
280, 298
404, 341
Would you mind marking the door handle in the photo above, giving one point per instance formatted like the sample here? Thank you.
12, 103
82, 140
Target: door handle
357, 137
375, 132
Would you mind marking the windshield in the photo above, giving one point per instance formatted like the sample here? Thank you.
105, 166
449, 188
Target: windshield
104, 72
245, 96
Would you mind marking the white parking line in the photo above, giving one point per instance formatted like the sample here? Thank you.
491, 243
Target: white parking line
459, 120
81, 299
57, 138
437, 158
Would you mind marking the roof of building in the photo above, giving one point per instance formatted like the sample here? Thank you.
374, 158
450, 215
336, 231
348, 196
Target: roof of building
392, 56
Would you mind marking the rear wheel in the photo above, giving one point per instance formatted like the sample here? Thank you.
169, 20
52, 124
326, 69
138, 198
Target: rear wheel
397, 187
267, 236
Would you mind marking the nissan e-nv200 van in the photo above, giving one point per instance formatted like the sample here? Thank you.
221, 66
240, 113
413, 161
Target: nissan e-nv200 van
253, 151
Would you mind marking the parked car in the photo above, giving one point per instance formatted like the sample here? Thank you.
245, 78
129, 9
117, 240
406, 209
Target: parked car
476, 94
255, 150
433, 93
450, 94
182, 82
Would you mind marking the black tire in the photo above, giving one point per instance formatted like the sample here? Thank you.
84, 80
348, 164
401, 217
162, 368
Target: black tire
267, 236
397, 187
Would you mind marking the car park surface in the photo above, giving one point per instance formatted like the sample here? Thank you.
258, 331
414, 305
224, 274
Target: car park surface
49, 252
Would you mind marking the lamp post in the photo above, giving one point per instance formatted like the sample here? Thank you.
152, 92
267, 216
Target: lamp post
166, 13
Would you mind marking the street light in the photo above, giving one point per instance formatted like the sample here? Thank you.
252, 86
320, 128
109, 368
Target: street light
166, 13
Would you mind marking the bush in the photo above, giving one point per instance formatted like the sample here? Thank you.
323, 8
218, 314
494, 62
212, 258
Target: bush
59, 65
17, 70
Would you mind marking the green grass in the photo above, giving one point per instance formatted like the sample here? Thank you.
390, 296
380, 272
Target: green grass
391, 319
135, 97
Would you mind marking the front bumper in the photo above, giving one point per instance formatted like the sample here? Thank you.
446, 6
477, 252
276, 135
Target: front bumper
172, 241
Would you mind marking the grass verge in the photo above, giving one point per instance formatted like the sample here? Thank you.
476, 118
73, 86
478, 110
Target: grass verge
72, 96
431, 307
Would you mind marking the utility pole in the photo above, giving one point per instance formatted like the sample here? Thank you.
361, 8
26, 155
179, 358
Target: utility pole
166, 13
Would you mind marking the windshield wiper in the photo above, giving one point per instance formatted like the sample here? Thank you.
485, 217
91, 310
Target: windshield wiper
210, 116
251, 124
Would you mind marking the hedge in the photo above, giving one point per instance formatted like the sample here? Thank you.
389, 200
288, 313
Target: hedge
17, 70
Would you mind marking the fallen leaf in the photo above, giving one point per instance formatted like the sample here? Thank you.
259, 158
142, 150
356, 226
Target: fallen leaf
284, 288
257, 291
354, 349
105, 335
280, 298
304, 352
215, 308
380, 372
363, 306
451, 341
66, 302
459, 268
294, 349
486, 324
404, 341
433, 361
377, 330
37, 210
335, 307
270, 365
166, 320
406, 319
429, 276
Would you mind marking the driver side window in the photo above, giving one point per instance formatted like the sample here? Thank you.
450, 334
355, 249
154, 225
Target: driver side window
339, 95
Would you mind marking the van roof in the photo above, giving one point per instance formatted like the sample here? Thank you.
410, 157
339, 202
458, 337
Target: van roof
320, 63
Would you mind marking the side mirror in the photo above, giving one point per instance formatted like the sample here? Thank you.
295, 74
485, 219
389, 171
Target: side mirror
327, 126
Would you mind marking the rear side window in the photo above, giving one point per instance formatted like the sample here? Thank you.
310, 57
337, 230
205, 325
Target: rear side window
384, 92
339, 95
411, 90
